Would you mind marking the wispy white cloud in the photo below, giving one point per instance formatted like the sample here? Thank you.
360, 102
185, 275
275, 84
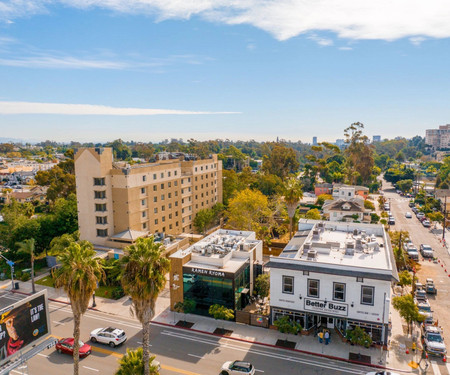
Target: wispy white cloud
284, 19
20, 108
417, 40
62, 63
324, 42
345, 48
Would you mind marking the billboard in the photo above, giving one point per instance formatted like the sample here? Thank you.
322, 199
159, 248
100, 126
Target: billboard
23, 324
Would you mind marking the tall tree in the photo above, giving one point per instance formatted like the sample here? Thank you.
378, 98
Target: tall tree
27, 247
359, 153
281, 161
249, 210
131, 363
143, 278
292, 193
78, 275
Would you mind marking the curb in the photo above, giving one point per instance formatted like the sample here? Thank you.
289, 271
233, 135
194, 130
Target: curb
281, 347
54, 300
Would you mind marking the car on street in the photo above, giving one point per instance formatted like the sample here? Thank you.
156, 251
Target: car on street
237, 368
411, 204
433, 341
425, 310
382, 373
420, 296
391, 221
408, 215
426, 251
109, 336
420, 215
415, 210
66, 346
426, 223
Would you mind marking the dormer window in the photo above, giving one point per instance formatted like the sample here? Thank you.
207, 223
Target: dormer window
346, 207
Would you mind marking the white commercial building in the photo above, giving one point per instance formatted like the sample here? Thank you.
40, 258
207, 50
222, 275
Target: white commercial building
335, 275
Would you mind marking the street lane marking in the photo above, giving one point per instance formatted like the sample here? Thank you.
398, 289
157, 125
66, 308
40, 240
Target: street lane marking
258, 370
179, 371
90, 368
106, 351
42, 355
196, 356
262, 353
435, 367
58, 323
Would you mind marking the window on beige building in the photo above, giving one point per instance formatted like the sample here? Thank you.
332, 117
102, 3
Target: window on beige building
99, 181
101, 219
100, 207
102, 232
99, 194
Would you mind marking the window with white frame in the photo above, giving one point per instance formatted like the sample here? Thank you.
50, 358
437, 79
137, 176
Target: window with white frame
313, 288
367, 295
288, 284
339, 292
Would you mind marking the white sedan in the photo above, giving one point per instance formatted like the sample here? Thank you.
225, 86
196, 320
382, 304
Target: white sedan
109, 336
408, 215
237, 368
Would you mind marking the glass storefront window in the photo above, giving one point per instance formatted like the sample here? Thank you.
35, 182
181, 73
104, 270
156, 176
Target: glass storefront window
207, 291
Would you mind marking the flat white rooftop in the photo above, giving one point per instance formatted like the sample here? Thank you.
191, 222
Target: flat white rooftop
335, 245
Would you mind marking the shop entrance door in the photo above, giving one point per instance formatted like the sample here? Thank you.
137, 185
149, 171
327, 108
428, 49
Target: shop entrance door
330, 323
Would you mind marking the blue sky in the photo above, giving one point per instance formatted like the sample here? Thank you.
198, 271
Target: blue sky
147, 70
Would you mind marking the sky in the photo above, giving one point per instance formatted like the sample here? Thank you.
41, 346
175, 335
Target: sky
148, 70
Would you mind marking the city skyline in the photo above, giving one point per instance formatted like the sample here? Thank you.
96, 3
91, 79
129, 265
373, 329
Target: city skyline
147, 71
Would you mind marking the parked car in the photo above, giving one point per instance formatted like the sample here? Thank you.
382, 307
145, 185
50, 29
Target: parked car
413, 253
109, 336
433, 341
237, 367
391, 221
415, 210
430, 288
426, 251
382, 373
420, 215
425, 310
408, 215
426, 223
411, 204
66, 346
420, 296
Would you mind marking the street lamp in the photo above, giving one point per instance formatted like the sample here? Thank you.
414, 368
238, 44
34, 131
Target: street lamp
11, 264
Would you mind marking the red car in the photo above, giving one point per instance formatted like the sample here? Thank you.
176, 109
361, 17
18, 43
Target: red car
66, 346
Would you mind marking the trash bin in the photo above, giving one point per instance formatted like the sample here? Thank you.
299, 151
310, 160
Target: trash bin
16, 285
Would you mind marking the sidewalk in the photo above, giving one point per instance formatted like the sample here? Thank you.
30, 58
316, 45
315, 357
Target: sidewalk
395, 358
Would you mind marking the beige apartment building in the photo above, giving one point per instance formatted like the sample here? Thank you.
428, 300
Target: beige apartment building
438, 138
119, 202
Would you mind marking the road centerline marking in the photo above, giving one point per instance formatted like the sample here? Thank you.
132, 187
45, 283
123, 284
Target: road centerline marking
90, 368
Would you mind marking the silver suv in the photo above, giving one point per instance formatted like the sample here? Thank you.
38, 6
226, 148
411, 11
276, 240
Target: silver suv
433, 341
426, 251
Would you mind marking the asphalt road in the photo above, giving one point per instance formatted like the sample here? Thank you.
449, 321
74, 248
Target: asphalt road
440, 303
179, 351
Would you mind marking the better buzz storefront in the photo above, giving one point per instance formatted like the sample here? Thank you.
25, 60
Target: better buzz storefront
321, 314
207, 287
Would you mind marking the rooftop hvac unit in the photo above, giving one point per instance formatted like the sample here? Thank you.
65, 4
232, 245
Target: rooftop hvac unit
307, 246
355, 231
312, 254
350, 248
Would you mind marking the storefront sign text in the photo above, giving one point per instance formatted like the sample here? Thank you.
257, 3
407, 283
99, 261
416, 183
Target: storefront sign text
327, 307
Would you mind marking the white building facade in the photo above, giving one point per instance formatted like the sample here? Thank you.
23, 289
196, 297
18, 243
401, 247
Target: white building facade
336, 276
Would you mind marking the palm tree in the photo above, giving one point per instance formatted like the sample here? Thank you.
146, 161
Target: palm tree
28, 247
132, 364
292, 192
78, 275
143, 278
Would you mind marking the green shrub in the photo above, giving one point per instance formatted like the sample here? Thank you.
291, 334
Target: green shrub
25, 277
117, 293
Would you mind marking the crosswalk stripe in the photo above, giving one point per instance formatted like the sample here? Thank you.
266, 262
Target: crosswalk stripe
435, 367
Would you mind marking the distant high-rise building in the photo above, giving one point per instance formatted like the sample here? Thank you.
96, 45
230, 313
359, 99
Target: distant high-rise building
314, 143
340, 143
438, 138
376, 138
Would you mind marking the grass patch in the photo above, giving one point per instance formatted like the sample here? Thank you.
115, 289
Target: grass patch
105, 291
46, 281
102, 291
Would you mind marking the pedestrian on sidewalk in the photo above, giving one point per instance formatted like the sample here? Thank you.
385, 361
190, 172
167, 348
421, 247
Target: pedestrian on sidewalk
320, 336
327, 337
